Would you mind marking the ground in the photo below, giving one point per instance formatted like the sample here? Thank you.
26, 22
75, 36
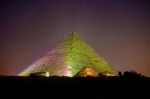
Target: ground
75, 87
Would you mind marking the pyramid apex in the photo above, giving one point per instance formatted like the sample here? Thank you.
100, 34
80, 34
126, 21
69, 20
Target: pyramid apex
73, 34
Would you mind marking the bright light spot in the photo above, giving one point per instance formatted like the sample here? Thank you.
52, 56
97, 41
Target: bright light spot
47, 74
69, 74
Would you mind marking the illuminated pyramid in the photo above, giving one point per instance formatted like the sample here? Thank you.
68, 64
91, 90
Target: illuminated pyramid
67, 58
86, 71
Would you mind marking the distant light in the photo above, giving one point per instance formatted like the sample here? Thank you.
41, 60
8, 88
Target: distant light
47, 74
69, 74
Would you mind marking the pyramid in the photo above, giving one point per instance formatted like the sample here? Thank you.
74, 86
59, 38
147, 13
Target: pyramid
85, 72
67, 58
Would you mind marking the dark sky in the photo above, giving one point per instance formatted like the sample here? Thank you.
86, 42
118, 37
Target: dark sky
117, 29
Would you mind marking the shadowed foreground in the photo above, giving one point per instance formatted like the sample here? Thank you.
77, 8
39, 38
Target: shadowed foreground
76, 87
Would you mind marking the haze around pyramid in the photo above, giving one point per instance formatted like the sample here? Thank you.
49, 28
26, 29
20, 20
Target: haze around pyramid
67, 58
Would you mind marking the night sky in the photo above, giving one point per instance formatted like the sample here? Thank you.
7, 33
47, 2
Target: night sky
117, 29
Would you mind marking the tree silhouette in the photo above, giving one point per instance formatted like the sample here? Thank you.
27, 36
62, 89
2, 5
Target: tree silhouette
132, 73
120, 73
